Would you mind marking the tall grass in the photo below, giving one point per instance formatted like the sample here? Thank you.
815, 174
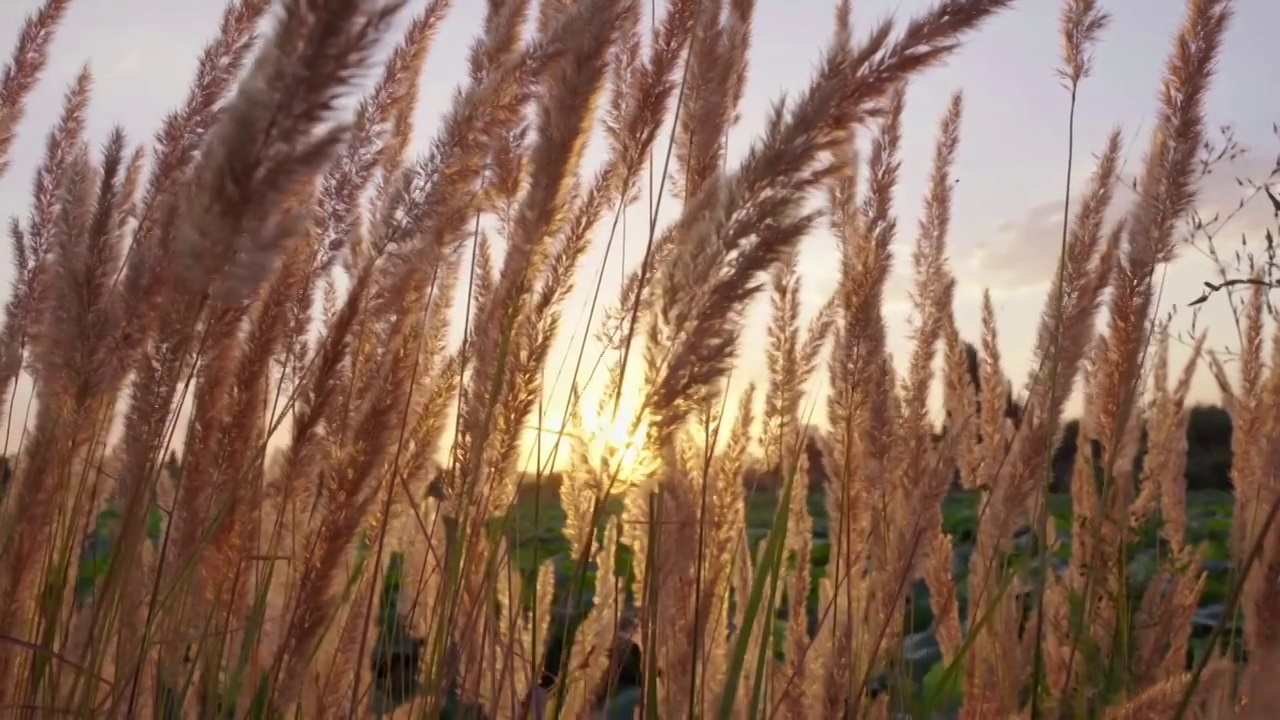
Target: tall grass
240, 346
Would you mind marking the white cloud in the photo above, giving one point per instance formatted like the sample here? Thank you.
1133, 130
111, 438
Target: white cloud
1024, 252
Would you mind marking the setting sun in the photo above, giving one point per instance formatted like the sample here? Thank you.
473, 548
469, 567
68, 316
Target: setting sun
616, 440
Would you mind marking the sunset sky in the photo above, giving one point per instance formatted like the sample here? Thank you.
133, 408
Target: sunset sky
1012, 159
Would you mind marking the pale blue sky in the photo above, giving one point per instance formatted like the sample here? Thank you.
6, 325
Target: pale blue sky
1013, 144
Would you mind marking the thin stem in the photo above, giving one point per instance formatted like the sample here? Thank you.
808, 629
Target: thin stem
1041, 522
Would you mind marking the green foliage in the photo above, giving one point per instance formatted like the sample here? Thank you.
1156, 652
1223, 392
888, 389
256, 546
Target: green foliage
535, 526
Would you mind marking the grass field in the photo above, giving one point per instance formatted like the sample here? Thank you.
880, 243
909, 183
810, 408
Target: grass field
538, 519
271, 285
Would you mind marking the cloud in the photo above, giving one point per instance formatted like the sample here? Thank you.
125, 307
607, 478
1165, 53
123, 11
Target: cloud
1023, 254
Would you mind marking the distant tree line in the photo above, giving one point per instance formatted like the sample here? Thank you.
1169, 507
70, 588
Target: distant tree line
1208, 447
1208, 452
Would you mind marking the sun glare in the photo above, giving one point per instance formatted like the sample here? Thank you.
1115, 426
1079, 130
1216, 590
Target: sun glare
616, 441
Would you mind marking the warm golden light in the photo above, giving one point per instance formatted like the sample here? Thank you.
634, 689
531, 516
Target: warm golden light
616, 440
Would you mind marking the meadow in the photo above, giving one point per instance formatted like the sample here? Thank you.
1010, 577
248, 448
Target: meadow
537, 528
538, 525
539, 522
282, 371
